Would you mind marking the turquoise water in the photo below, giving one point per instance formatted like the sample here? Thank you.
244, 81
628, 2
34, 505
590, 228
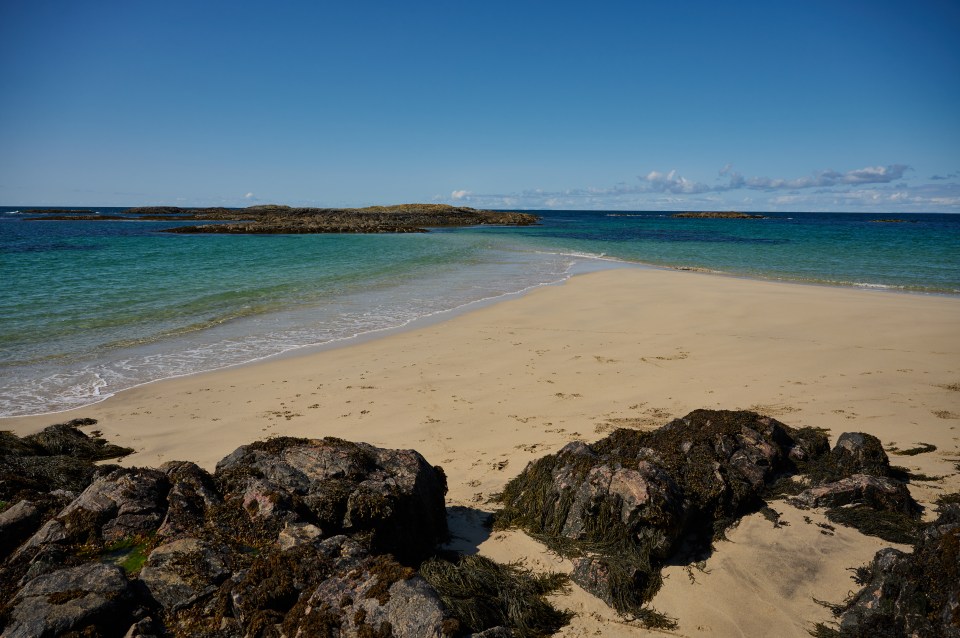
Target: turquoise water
87, 309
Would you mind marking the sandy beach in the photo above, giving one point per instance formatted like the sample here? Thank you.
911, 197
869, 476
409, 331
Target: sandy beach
487, 391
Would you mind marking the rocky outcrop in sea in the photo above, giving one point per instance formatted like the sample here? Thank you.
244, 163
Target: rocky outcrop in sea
718, 215
274, 219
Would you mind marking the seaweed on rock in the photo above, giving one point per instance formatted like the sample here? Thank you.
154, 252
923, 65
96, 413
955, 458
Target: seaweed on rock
622, 506
484, 594
58, 457
915, 594
239, 552
891, 526
862, 490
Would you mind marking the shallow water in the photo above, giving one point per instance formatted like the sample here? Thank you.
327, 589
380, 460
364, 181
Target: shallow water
89, 308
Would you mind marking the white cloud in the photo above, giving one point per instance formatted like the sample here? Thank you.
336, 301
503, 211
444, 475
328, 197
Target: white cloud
821, 179
672, 182
871, 188
249, 196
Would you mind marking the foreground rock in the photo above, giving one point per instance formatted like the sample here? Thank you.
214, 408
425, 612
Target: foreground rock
41, 473
623, 505
305, 537
904, 594
292, 537
877, 492
283, 534
392, 496
91, 599
861, 489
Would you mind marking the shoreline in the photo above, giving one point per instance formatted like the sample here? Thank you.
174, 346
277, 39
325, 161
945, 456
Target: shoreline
493, 388
424, 321
588, 263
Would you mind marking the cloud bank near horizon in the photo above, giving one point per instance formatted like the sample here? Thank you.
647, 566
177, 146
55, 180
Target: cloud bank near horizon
858, 189
674, 183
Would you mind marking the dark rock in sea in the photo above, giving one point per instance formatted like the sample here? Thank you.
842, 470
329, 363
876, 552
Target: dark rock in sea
274, 219
717, 215
405, 218
211, 213
623, 505
59, 211
89, 600
902, 594
77, 218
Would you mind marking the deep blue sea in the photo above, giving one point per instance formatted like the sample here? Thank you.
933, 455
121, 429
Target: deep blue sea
90, 308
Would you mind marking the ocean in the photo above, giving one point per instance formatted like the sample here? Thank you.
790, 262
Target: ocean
90, 308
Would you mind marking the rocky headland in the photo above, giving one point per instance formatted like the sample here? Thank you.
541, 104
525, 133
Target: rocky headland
325, 537
275, 219
717, 215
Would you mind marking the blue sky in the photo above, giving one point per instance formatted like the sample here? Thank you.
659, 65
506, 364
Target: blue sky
844, 106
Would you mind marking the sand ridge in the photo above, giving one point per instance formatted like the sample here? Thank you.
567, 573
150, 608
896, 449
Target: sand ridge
490, 390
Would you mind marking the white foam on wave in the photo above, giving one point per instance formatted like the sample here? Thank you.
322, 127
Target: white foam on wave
48, 387
579, 255
859, 284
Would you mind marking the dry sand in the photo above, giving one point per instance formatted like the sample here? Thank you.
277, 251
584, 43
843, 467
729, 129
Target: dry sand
487, 391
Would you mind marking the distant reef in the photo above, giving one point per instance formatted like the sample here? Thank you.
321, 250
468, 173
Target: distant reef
718, 215
59, 211
403, 218
74, 217
276, 219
